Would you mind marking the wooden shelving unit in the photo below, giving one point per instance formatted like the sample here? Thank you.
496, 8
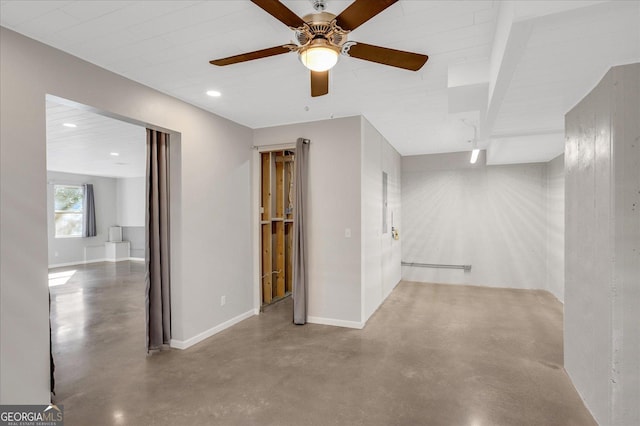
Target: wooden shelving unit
276, 221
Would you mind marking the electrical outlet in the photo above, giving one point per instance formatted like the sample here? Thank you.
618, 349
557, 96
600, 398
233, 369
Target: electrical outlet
223, 300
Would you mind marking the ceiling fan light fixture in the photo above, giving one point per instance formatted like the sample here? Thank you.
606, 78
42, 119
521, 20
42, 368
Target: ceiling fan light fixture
322, 37
319, 55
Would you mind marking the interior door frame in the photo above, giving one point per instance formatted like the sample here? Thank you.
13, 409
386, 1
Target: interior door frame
256, 187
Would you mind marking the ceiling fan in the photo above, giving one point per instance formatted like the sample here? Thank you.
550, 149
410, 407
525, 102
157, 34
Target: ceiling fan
323, 36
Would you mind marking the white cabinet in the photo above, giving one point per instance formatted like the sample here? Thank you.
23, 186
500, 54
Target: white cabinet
115, 252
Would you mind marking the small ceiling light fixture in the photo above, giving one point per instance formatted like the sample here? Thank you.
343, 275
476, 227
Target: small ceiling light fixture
114, 154
214, 93
474, 155
319, 55
475, 151
69, 125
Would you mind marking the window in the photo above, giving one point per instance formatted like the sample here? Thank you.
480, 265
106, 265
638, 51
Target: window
68, 202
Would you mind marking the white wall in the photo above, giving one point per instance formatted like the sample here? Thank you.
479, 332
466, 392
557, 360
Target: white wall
132, 213
602, 281
333, 206
137, 244
392, 249
72, 250
349, 277
491, 217
381, 254
131, 201
210, 176
555, 227
118, 201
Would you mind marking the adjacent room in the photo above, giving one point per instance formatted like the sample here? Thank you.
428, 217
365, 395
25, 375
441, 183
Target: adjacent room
309, 212
96, 204
85, 148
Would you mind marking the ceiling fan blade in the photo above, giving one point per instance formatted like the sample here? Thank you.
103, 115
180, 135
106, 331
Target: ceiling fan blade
360, 11
319, 83
280, 12
250, 56
384, 55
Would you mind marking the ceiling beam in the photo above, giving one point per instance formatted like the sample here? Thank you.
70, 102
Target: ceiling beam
513, 29
509, 44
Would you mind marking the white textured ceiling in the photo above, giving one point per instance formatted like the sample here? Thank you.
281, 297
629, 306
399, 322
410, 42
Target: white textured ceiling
566, 55
538, 57
87, 148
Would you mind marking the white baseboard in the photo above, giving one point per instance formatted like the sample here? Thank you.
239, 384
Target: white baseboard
390, 291
384, 298
80, 262
184, 344
86, 262
335, 322
123, 259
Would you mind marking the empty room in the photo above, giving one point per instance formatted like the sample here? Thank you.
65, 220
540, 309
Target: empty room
306, 212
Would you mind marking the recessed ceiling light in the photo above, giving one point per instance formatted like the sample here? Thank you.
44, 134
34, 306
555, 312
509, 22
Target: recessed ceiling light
214, 93
69, 125
115, 154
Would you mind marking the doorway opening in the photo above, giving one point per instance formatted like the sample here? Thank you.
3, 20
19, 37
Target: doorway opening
97, 279
277, 171
96, 183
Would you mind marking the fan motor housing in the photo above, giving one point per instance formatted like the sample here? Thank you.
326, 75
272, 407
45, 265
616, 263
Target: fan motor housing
320, 26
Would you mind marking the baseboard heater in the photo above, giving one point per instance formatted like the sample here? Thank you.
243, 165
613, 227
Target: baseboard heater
437, 265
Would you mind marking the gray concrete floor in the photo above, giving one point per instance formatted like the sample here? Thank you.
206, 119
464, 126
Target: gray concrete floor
431, 355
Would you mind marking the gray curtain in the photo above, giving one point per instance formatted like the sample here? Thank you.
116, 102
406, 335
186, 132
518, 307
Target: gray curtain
158, 297
300, 275
89, 207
